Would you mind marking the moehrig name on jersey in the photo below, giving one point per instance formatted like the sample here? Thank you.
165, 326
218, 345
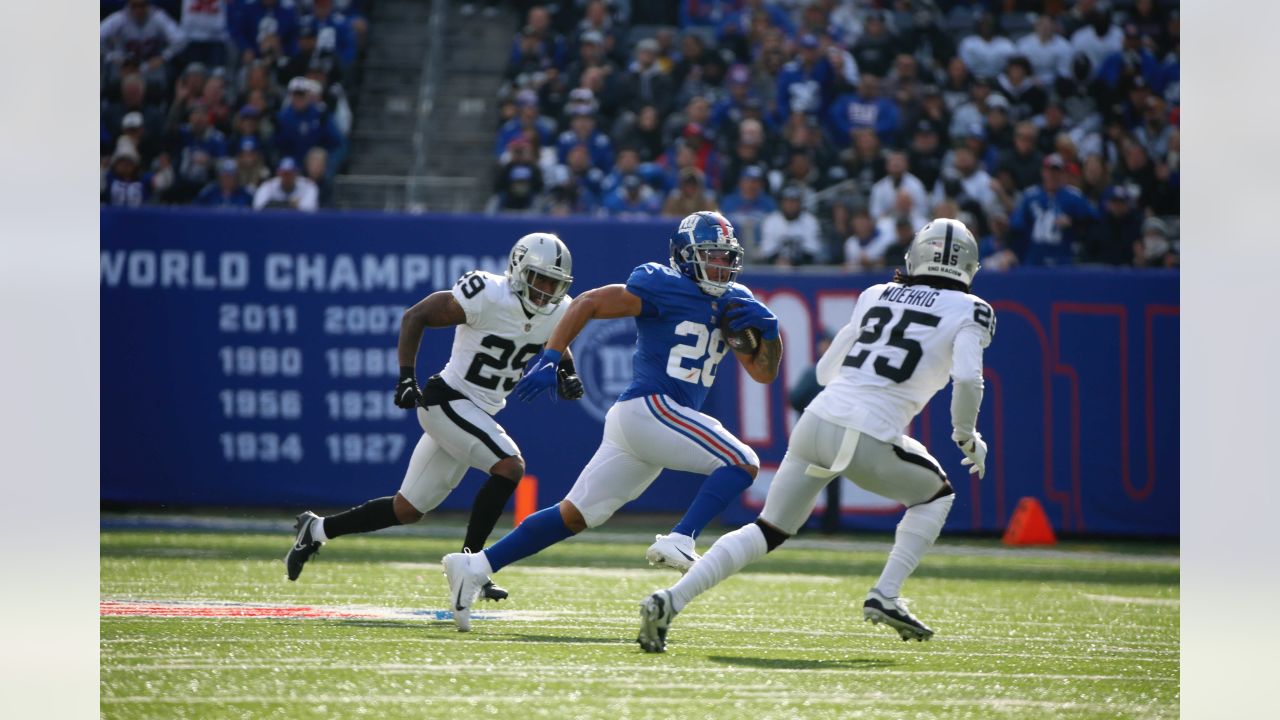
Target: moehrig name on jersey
907, 295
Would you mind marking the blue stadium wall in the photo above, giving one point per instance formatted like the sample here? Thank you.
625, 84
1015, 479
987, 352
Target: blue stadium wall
248, 360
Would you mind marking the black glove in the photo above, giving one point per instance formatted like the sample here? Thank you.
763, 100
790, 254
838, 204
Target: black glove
569, 386
407, 393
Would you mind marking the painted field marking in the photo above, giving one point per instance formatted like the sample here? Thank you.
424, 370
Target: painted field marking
251, 611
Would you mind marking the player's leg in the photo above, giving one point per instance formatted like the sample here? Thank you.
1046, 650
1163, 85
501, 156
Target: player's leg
680, 438
612, 478
791, 498
431, 474
905, 472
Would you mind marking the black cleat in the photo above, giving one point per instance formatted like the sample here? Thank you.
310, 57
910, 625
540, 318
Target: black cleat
303, 546
893, 612
493, 592
656, 615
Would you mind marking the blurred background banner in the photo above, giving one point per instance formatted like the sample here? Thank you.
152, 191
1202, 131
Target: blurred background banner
250, 360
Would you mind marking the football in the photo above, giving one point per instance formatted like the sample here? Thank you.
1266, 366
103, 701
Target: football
743, 341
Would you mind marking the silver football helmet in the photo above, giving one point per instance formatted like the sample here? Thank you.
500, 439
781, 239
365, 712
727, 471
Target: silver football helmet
545, 255
944, 248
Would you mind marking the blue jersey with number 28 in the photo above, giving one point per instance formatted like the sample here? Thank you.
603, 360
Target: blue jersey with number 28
678, 344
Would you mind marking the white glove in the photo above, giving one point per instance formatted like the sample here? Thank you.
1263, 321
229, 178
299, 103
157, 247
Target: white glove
975, 452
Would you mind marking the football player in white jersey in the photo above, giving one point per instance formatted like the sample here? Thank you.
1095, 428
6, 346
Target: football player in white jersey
903, 340
500, 323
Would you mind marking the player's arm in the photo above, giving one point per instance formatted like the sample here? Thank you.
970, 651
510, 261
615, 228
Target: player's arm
967, 388
439, 309
762, 365
543, 371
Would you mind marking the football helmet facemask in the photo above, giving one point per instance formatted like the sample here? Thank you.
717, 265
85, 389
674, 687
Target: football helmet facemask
944, 248
705, 250
540, 256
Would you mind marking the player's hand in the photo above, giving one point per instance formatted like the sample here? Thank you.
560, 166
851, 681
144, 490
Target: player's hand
570, 385
540, 375
407, 393
975, 453
753, 313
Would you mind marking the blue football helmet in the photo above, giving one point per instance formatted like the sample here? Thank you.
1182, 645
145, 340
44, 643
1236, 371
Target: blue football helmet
705, 250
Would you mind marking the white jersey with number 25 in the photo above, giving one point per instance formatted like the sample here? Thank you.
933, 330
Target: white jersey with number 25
490, 350
901, 344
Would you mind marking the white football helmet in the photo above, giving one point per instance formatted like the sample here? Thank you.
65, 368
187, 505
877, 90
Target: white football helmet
540, 254
944, 248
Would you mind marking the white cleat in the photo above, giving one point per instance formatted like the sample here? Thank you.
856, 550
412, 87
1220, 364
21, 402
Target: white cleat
673, 551
893, 612
656, 615
464, 585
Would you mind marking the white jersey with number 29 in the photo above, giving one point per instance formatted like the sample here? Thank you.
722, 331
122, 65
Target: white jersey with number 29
490, 350
901, 344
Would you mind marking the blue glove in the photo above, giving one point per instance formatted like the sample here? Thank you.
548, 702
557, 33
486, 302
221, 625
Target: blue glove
539, 376
753, 313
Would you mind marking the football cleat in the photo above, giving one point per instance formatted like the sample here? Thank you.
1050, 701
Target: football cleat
303, 545
893, 611
656, 614
674, 551
464, 585
493, 592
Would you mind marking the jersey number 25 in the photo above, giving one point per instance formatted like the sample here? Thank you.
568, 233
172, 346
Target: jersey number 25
708, 344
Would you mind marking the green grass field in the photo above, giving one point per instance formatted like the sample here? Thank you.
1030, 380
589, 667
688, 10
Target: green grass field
1083, 631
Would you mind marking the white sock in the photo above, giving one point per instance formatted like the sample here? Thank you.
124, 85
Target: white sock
727, 556
482, 563
317, 531
916, 532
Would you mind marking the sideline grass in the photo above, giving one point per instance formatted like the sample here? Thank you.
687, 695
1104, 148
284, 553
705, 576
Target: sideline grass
1020, 635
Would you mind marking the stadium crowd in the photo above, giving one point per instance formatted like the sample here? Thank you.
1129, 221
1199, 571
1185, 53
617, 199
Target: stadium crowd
226, 103
829, 131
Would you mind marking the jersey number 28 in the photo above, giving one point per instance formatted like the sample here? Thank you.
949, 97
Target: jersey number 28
708, 344
873, 325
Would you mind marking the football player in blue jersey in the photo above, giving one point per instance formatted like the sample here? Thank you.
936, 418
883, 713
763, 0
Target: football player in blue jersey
655, 423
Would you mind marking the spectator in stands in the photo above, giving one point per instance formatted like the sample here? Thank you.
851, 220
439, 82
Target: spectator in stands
188, 91
1020, 167
204, 25
125, 185
645, 134
225, 191
927, 41
316, 169
875, 49
287, 191
883, 194
214, 100
1155, 249
905, 209
957, 87
644, 83
1051, 124
1136, 170
805, 84
864, 248
1098, 37
732, 108
1026, 98
1132, 58
998, 129
791, 235
626, 163
693, 53
1155, 131
632, 199
924, 156
139, 38
261, 19
566, 196
1151, 21
864, 109
133, 127
1048, 52
681, 157
249, 125
986, 53
251, 165
967, 181
689, 196
582, 131
534, 52
748, 150
707, 159
995, 248
749, 204
334, 32
302, 125
1049, 218
697, 111
584, 172
903, 230
1112, 240
528, 117
973, 112
133, 98
903, 81
864, 164
591, 54
197, 145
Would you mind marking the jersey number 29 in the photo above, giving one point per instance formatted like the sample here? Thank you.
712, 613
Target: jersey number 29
475, 373
708, 344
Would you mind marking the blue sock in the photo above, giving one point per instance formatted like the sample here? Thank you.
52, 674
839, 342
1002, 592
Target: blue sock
538, 532
717, 491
